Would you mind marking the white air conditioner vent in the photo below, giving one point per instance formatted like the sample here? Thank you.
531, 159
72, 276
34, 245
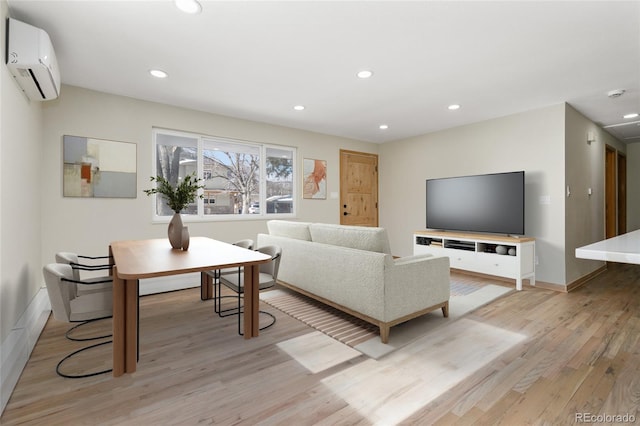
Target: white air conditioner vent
32, 61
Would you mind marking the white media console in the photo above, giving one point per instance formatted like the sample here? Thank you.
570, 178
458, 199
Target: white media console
508, 257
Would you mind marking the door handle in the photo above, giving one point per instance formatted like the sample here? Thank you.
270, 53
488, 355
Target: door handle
345, 213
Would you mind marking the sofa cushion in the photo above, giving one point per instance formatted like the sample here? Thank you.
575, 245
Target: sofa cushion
357, 237
289, 229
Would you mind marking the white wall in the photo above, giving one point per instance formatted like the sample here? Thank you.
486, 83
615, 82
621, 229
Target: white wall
633, 186
88, 225
532, 141
20, 157
584, 170
20, 207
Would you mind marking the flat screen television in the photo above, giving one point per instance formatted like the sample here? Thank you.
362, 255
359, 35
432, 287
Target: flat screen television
489, 203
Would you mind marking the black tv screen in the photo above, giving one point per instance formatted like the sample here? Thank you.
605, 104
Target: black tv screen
490, 203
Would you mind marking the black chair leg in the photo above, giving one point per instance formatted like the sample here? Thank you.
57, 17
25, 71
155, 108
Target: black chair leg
240, 308
216, 301
81, 376
240, 312
85, 339
217, 295
273, 317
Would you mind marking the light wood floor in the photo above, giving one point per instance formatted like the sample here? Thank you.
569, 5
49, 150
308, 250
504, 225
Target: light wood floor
533, 357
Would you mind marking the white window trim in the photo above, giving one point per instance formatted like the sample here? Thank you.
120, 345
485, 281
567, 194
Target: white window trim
201, 217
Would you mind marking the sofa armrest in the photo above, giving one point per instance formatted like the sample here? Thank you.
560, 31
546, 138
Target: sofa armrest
411, 259
415, 283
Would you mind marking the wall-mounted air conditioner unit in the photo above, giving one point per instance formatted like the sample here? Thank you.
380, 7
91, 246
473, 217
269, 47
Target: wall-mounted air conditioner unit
32, 61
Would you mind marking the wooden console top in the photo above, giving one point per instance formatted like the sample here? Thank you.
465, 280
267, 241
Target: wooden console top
474, 236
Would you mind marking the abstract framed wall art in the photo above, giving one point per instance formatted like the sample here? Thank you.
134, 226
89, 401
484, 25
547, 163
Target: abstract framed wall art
98, 168
314, 173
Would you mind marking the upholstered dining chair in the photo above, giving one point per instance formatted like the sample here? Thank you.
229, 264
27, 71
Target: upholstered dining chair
268, 277
70, 306
214, 277
87, 263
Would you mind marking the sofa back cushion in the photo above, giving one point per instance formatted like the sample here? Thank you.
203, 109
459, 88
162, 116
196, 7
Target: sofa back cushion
357, 237
289, 229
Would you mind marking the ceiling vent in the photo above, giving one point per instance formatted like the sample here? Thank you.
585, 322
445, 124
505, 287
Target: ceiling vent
616, 93
32, 61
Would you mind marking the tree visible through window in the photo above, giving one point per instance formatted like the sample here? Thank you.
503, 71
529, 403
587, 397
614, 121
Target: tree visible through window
240, 178
235, 176
176, 157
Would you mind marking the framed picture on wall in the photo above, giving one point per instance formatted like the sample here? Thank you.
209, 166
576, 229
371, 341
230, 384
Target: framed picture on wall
98, 168
314, 185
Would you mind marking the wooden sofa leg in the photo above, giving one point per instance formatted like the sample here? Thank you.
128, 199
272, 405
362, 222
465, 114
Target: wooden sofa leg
384, 333
445, 309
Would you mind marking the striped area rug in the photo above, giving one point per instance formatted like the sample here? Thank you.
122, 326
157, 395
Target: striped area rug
462, 288
331, 321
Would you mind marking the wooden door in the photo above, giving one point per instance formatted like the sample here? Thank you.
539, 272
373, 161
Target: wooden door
622, 193
610, 192
358, 188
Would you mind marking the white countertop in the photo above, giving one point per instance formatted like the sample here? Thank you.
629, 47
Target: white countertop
624, 248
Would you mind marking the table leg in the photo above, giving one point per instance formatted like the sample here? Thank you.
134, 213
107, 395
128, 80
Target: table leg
125, 325
251, 301
119, 292
131, 324
206, 286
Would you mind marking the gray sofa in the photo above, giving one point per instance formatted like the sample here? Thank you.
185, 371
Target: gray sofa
351, 268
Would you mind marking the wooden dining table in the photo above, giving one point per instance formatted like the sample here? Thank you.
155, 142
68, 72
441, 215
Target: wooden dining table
139, 259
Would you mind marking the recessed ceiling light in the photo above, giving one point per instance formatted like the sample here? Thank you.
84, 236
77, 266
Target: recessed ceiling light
384, 126
632, 115
364, 74
454, 107
158, 73
188, 6
298, 107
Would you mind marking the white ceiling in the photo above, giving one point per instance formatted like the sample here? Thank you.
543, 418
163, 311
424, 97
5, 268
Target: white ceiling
256, 60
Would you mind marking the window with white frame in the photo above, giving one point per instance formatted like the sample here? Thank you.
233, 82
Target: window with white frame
241, 179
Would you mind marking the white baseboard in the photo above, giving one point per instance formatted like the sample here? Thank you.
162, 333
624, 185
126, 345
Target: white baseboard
16, 348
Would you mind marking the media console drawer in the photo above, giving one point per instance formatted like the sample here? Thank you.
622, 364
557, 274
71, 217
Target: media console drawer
508, 257
500, 265
460, 259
